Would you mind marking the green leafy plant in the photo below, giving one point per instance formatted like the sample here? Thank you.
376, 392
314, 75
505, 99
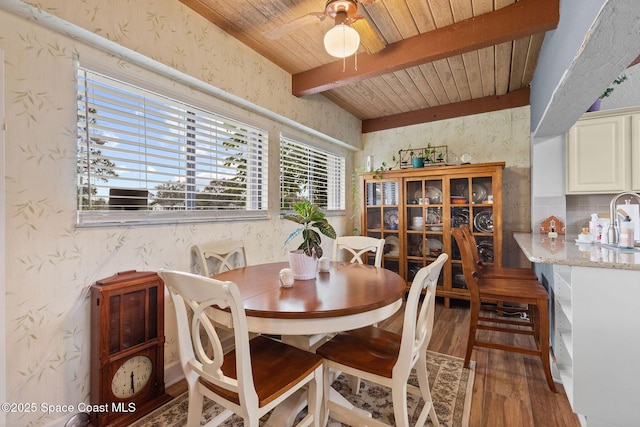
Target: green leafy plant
428, 153
377, 174
309, 216
609, 90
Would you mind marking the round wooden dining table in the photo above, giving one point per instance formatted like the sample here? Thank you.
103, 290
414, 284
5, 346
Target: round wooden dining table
348, 296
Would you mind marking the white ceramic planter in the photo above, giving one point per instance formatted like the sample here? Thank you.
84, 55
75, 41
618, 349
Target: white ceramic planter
304, 267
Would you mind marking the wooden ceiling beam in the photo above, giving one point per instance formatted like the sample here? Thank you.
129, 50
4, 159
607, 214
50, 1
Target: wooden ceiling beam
517, 98
521, 19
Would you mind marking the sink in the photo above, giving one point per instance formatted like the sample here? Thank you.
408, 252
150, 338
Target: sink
618, 248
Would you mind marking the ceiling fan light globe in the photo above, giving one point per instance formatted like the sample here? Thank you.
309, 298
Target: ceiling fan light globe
341, 41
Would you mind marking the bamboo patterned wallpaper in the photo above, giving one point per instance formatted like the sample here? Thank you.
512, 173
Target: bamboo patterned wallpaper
49, 262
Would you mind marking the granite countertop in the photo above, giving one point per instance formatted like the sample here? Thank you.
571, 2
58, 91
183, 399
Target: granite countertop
564, 250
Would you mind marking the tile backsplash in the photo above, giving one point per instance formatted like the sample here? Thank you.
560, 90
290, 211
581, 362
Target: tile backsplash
580, 208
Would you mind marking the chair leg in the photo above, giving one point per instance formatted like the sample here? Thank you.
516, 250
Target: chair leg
474, 312
354, 382
543, 315
326, 394
194, 411
315, 393
535, 320
400, 411
423, 383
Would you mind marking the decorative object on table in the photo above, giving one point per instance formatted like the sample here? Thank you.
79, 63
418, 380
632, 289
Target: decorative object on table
286, 277
127, 347
552, 223
324, 264
608, 91
304, 261
430, 155
449, 381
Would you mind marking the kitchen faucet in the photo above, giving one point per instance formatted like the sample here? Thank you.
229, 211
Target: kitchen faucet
614, 230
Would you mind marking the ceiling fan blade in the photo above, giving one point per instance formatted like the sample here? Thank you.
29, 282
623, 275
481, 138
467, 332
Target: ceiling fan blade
295, 25
368, 36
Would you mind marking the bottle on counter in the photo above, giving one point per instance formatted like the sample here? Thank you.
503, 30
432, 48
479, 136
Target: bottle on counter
594, 229
626, 239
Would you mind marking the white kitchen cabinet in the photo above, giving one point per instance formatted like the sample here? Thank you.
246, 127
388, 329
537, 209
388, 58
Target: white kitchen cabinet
603, 153
597, 344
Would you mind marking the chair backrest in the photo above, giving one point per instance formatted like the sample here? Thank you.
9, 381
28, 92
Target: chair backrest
219, 255
418, 326
470, 268
466, 230
357, 246
195, 299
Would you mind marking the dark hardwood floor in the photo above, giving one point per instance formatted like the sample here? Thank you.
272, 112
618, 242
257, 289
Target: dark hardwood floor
509, 389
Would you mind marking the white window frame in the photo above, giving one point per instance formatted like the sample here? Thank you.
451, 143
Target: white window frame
190, 154
324, 175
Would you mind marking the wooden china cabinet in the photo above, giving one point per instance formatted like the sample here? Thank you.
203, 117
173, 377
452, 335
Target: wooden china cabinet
415, 209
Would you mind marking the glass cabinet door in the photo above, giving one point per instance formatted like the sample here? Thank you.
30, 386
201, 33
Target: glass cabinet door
471, 204
383, 220
424, 224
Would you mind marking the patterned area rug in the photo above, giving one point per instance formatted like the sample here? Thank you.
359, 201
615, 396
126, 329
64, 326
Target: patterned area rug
451, 387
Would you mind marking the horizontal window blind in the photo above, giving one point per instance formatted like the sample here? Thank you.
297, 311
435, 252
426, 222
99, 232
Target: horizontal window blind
310, 173
143, 157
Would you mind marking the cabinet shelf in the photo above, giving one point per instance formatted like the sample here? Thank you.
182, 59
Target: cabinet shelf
419, 245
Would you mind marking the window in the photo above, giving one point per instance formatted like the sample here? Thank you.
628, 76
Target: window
143, 157
309, 173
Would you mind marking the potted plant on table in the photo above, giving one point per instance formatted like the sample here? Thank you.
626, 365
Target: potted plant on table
304, 260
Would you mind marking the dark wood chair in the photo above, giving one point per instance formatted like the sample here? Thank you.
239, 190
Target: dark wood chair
490, 271
500, 295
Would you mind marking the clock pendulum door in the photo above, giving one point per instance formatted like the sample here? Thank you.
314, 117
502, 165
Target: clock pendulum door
127, 347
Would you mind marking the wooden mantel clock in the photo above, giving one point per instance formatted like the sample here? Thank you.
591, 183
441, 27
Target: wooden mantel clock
127, 348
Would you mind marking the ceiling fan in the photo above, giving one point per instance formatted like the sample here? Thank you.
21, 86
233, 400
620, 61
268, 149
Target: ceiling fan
342, 39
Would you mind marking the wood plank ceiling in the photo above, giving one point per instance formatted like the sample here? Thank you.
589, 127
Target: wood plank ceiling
443, 58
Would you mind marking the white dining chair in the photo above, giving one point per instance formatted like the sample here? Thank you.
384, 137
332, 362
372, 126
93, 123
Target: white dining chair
357, 246
216, 256
254, 378
386, 358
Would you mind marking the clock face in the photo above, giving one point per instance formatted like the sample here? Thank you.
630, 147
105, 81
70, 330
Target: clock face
131, 377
